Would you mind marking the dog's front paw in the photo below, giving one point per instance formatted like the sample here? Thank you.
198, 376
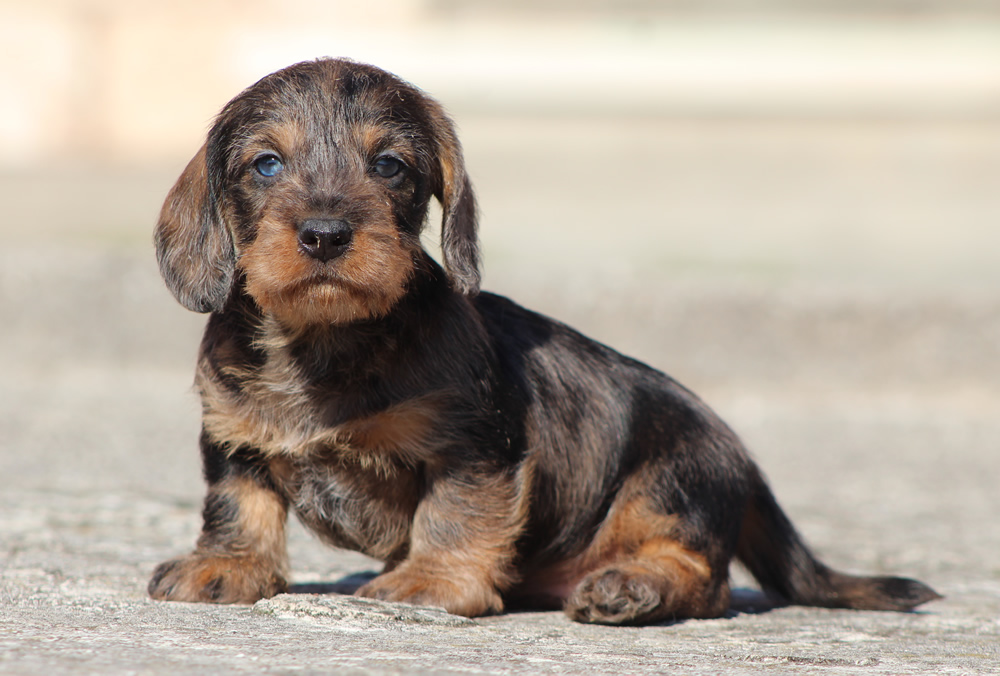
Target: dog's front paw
200, 578
457, 595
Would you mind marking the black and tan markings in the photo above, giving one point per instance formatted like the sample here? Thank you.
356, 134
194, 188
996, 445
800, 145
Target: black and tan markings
488, 455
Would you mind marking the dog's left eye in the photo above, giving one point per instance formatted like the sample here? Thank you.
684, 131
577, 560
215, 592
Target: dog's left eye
268, 165
387, 167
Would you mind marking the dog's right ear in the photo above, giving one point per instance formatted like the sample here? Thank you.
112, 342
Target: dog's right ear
193, 247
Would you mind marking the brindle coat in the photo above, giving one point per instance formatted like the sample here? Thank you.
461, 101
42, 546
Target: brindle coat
486, 453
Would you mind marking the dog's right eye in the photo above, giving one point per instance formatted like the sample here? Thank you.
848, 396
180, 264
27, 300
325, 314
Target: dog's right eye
268, 166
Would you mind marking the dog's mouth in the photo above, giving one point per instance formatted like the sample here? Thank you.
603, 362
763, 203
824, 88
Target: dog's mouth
327, 297
326, 270
324, 282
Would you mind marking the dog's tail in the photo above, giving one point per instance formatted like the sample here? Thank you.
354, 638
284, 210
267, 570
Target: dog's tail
775, 554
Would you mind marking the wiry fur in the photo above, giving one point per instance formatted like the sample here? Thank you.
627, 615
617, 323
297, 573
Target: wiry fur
487, 454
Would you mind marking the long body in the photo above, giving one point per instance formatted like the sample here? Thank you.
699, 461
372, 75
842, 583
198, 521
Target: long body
487, 454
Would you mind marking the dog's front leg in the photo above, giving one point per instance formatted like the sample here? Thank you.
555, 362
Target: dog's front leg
240, 556
462, 545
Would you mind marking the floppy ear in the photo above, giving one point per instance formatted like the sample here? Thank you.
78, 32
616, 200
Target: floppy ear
459, 241
194, 249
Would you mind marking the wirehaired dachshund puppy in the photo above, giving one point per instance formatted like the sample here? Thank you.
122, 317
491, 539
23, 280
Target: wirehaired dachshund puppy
488, 455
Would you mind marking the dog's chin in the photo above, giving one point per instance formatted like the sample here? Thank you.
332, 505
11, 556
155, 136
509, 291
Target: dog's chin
325, 302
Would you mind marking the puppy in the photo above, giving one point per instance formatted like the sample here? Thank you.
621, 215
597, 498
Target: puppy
488, 455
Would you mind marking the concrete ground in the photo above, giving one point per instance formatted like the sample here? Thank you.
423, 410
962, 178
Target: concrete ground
829, 286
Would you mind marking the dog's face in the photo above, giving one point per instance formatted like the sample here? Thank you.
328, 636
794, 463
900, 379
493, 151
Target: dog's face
313, 187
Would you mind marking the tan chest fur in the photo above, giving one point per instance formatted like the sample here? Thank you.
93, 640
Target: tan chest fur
274, 414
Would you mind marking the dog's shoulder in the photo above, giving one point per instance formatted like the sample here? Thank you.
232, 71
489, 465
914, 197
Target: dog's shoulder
538, 337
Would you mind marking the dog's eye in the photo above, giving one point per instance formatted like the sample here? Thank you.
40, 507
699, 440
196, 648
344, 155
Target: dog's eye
268, 165
387, 167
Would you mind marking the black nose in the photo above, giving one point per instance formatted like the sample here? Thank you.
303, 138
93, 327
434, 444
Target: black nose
325, 239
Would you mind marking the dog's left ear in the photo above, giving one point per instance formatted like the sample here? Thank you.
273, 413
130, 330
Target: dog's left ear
459, 241
193, 247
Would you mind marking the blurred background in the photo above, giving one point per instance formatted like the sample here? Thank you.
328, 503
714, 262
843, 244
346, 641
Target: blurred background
858, 140
793, 206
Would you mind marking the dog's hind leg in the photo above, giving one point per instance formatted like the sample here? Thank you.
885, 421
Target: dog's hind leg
662, 579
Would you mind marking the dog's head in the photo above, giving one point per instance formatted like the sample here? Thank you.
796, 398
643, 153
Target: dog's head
313, 186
